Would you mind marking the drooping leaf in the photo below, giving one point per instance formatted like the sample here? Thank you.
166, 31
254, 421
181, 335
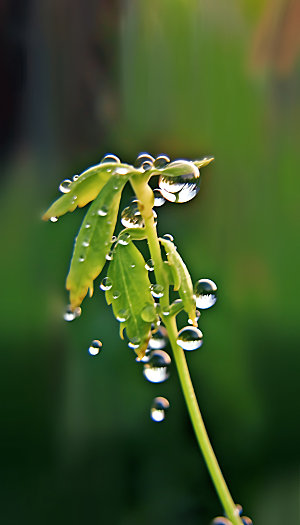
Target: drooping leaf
94, 239
130, 295
181, 278
83, 190
203, 162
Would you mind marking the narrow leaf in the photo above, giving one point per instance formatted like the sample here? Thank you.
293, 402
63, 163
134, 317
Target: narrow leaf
182, 279
94, 239
130, 295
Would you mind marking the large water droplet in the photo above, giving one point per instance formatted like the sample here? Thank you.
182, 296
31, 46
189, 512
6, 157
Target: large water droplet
157, 290
110, 158
156, 370
159, 339
72, 313
123, 315
95, 347
103, 211
180, 181
149, 265
205, 292
124, 238
144, 161
53, 219
159, 407
148, 314
64, 186
131, 216
159, 200
161, 161
246, 520
106, 284
190, 338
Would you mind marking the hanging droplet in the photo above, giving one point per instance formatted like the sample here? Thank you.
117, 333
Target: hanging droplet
53, 219
190, 338
156, 370
95, 347
149, 265
246, 520
103, 211
161, 161
124, 238
205, 292
106, 284
148, 314
159, 200
144, 161
72, 313
180, 181
123, 315
159, 339
220, 520
159, 407
168, 237
64, 186
157, 290
134, 343
131, 216
75, 178
110, 158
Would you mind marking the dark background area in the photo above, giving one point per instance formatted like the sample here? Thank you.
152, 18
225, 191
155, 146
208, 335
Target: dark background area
187, 78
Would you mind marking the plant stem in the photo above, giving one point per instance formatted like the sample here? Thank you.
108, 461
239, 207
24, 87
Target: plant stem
142, 191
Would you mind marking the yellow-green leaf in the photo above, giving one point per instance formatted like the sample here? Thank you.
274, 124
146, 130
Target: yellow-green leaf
130, 295
94, 239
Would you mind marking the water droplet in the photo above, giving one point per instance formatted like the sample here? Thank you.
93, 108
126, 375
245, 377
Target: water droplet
157, 290
131, 216
53, 219
64, 186
144, 161
246, 520
168, 237
148, 314
238, 509
87, 225
156, 370
85, 244
180, 181
81, 258
134, 343
103, 211
166, 310
132, 266
72, 313
110, 158
144, 359
191, 321
124, 238
159, 200
123, 315
161, 161
159, 407
75, 178
106, 284
116, 294
95, 347
113, 239
205, 293
190, 338
121, 170
109, 255
220, 520
149, 265
74, 199
159, 339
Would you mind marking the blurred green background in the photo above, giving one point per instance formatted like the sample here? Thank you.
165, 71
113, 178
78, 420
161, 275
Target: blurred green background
187, 78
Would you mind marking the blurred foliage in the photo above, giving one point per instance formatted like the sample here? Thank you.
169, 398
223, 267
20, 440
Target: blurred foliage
177, 77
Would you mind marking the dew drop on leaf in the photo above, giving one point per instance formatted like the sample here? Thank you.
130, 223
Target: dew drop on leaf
190, 338
134, 343
102, 212
87, 226
159, 407
64, 186
159, 339
81, 258
123, 315
159, 200
110, 158
180, 181
156, 370
75, 178
161, 161
149, 265
124, 238
85, 244
205, 292
148, 314
144, 161
106, 284
95, 347
157, 290
131, 216
116, 294
72, 313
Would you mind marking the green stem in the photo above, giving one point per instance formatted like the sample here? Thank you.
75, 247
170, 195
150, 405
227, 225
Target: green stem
143, 195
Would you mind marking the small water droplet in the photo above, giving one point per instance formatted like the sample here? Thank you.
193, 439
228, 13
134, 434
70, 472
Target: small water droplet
74, 199
116, 294
159, 339
113, 239
161, 161
85, 244
156, 370
132, 266
134, 343
106, 284
190, 338
124, 238
95, 347
144, 161
87, 225
159, 407
110, 158
131, 216
144, 359
149, 265
246, 520
166, 310
102, 212
53, 219
81, 258
109, 255
157, 290
168, 237
75, 178
123, 315
148, 314
159, 200
72, 313
64, 186
220, 520
205, 292
180, 181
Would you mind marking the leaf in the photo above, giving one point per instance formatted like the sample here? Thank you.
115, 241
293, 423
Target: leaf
203, 162
94, 239
130, 295
82, 191
181, 278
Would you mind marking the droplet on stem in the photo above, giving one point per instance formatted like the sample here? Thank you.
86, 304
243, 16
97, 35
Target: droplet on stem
64, 186
190, 338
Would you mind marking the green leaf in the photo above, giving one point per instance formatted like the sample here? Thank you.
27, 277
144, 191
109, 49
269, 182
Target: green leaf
130, 295
82, 191
203, 162
94, 239
181, 278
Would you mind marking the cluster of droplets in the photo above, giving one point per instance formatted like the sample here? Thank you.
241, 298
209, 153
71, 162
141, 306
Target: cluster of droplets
221, 520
